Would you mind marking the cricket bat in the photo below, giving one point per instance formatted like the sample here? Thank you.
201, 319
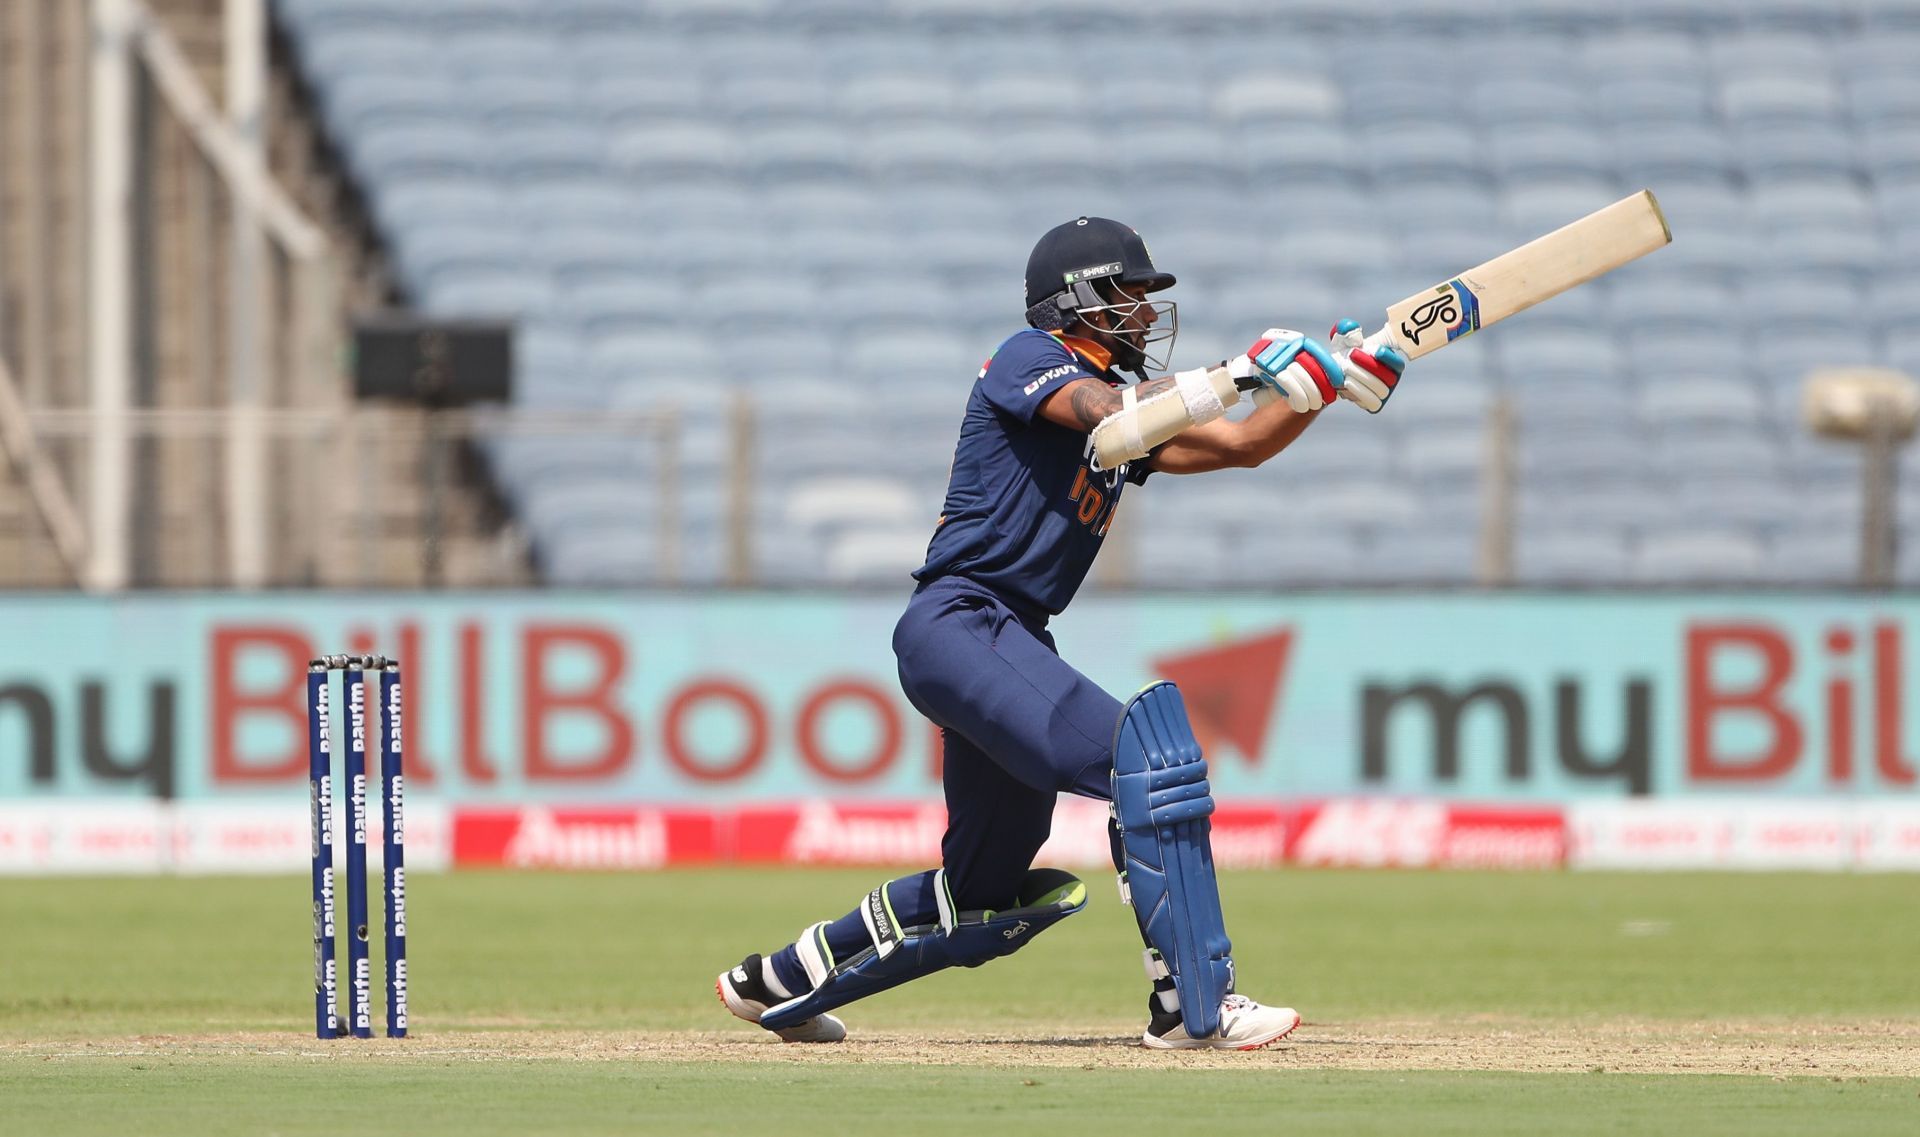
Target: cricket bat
1515, 281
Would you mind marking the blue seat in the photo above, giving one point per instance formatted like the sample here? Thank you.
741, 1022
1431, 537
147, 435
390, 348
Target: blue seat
666, 151
424, 251
1589, 554
1312, 159
1537, 208
361, 100
1427, 152
1769, 53
669, 358
899, 97
1699, 556
998, 101
1810, 203
1777, 99
448, 149
612, 55
1881, 101
506, 99
1535, 354
1273, 97
1896, 300
637, 99
1797, 150
600, 560
1399, 104
1502, 103
909, 154
1548, 151
1639, 50
334, 54
1197, 153
1693, 307
488, 293
594, 201
1648, 102
555, 151
1894, 158
765, 98
799, 154
1658, 154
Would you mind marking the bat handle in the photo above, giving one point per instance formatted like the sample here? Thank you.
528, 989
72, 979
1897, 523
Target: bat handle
1264, 395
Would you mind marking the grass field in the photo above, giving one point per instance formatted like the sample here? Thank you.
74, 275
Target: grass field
1434, 1002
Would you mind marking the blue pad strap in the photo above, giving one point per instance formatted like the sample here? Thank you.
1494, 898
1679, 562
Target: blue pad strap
1162, 800
968, 939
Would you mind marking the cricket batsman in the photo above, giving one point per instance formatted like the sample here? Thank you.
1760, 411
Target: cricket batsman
1051, 438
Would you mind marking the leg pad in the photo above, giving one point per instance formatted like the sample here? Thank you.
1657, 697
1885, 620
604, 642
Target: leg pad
967, 939
1162, 800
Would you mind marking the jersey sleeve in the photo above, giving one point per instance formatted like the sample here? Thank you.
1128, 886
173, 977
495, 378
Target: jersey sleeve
1027, 369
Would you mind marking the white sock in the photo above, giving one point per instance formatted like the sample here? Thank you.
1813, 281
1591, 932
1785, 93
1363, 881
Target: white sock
772, 979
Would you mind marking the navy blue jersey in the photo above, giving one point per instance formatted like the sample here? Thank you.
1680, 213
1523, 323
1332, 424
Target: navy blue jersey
1025, 511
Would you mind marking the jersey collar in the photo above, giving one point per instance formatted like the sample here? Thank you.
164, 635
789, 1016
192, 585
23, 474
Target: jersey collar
1093, 353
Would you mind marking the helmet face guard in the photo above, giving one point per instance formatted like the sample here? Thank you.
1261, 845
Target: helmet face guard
1132, 326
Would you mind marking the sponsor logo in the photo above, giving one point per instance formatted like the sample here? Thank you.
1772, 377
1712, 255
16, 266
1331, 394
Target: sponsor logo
1049, 376
739, 975
396, 811
1111, 268
323, 907
877, 914
1016, 931
329, 986
825, 834
393, 719
357, 716
544, 841
357, 812
362, 994
1453, 306
399, 995
397, 901
320, 808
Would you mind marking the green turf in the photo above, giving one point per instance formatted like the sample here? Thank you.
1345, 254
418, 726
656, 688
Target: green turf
285, 1096
90, 961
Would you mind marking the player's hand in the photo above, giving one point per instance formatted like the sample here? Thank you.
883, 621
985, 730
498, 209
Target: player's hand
1368, 376
1297, 367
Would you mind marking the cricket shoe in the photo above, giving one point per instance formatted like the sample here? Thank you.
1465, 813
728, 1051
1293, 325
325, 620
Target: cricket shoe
1244, 1025
745, 992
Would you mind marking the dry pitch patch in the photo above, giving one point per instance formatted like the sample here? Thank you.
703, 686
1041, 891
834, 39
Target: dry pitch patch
1835, 1050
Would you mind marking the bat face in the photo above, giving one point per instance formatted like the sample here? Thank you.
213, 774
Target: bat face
1450, 311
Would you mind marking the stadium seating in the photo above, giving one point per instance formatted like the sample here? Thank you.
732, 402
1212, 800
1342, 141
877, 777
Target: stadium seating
680, 199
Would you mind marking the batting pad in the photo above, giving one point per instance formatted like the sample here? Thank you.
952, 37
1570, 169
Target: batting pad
966, 939
1162, 800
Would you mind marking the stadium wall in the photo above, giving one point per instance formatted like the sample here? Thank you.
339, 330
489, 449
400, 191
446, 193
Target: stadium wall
1664, 730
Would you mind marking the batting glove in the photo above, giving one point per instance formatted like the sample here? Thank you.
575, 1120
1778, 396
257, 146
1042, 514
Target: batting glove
1370, 375
1298, 368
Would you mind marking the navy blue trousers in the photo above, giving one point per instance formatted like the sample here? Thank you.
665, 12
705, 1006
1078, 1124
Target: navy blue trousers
1018, 725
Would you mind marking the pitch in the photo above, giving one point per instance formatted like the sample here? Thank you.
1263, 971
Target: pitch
1434, 1002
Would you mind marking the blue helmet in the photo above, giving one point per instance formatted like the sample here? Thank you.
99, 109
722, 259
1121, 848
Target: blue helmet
1074, 273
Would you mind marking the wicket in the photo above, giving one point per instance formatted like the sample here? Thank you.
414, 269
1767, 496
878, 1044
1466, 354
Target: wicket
328, 1022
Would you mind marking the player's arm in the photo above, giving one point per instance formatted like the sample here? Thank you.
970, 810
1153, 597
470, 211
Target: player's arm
1130, 423
1086, 404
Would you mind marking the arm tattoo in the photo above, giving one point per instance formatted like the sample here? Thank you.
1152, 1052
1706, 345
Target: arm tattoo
1094, 401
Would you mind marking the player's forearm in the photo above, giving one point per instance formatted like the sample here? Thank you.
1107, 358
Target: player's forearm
1129, 423
1228, 445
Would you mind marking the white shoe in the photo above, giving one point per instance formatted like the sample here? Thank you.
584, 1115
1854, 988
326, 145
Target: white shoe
1244, 1025
745, 993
